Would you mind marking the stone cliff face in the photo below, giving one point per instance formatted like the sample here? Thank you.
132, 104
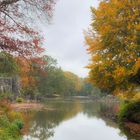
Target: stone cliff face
10, 85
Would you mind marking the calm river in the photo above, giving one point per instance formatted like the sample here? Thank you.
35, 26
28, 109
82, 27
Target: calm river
73, 120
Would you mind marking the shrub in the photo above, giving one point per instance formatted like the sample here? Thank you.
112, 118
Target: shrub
10, 130
19, 124
130, 112
19, 100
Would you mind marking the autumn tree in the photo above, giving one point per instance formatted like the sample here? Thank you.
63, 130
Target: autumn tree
30, 71
20, 38
114, 45
73, 83
17, 34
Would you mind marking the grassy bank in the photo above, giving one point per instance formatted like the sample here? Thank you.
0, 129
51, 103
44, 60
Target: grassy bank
11, 122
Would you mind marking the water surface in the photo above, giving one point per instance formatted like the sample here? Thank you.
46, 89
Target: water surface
73, 120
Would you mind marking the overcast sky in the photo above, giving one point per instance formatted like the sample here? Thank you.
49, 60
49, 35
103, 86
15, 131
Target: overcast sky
64, 39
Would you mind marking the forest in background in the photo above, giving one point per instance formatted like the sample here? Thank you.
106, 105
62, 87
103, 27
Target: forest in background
39, 81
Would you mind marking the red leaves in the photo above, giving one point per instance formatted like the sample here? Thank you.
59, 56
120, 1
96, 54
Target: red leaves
39, 61
36, 42
49, 7
16, 36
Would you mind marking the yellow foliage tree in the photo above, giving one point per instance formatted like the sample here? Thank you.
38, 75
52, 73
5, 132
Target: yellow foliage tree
114, 45
74, 81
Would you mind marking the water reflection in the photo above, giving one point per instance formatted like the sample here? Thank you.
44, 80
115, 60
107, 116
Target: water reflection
74, 120
83, 128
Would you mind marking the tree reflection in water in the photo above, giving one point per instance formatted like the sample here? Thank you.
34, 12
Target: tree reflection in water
43, 123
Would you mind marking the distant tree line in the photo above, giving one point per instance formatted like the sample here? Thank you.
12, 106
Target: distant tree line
44, 78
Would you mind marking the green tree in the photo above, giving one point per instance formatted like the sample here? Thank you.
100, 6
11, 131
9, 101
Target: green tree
89, 90
53, 80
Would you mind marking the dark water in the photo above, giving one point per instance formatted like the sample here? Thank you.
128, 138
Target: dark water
74, 120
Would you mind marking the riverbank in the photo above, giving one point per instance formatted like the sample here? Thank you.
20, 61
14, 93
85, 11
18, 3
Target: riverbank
30, 106
27, 106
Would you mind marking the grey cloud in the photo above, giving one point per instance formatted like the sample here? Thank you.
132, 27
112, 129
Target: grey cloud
64, 38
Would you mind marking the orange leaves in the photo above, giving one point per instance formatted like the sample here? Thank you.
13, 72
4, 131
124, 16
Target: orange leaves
25, 68
120, 74
30, 68
94, 44
24, 65
27, 81
114, 44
